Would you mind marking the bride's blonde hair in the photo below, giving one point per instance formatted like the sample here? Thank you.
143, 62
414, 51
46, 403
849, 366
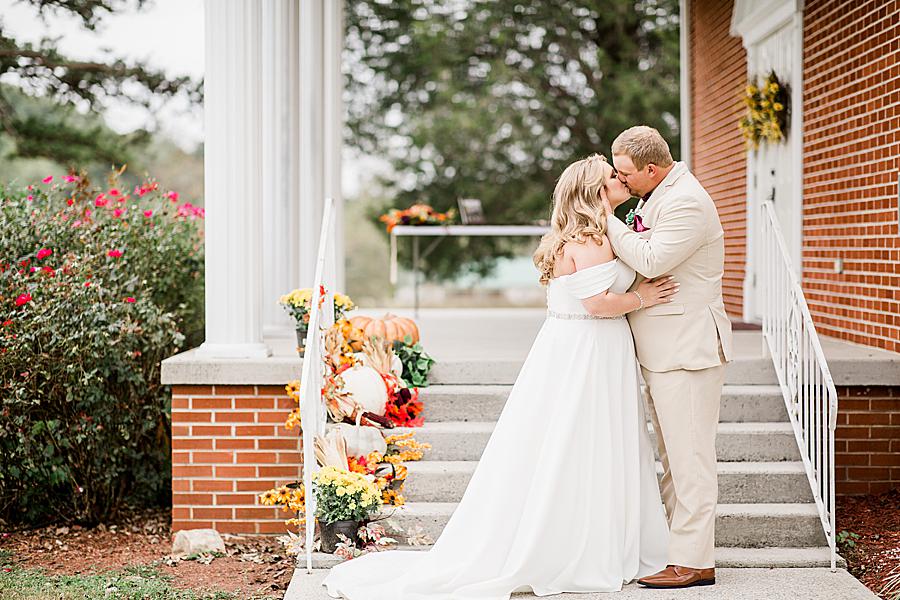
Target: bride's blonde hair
577, 212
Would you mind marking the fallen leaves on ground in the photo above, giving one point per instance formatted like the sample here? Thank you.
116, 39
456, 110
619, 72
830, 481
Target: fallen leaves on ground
251, 566
876, 520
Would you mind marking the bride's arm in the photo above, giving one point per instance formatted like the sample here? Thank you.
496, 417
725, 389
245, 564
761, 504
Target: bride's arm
649, 293
608, 304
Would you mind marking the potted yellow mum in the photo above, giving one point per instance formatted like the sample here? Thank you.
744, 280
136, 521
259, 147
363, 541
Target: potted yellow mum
297, 304
344, 502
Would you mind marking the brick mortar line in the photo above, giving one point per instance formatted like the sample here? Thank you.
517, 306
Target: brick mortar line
811, 54
811, 162
819, 89
860, 333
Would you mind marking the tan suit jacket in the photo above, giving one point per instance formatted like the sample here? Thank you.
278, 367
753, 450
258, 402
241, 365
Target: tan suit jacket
685, 239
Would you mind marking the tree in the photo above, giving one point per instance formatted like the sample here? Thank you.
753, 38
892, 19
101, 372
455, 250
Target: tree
42, 71
493, 98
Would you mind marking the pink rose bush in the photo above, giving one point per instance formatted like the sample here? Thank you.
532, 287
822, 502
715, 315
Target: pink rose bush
98, 284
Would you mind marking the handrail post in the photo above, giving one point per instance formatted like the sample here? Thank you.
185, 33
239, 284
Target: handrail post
311, 405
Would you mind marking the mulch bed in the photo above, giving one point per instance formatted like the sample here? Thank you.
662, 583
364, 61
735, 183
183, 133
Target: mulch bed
253, 566
876, 519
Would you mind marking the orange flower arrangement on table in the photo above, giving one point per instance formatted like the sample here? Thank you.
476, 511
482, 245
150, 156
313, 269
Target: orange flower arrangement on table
417, 214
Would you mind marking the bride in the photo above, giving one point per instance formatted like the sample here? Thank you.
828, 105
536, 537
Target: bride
565, 497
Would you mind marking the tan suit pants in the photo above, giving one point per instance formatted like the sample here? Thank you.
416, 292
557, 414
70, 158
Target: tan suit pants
684, 406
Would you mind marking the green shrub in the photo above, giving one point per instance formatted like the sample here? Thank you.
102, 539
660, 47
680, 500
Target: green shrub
96, 288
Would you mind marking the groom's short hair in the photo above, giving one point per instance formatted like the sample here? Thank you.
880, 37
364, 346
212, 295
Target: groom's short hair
644, 145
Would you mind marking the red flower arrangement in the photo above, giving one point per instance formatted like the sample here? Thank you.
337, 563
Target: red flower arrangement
403, 407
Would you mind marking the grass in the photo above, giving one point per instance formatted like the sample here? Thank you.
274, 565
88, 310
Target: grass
143, 582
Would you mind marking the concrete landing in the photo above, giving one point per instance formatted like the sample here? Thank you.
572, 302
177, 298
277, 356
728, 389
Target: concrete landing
732, 584
485, 345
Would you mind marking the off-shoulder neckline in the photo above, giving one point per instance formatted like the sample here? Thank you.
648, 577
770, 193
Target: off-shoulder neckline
606, 264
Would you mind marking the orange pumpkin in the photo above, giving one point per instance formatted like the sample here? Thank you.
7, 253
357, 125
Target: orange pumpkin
389, 327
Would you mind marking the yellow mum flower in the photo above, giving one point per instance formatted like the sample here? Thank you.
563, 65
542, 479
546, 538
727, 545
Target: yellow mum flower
293, 419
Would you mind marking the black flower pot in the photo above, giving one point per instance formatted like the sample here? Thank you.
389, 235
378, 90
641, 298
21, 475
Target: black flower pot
302, 330
330, 532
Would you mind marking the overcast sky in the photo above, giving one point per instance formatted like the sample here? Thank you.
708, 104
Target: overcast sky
167, 34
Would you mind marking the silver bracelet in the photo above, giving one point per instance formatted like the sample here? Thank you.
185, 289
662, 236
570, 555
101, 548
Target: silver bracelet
639, 298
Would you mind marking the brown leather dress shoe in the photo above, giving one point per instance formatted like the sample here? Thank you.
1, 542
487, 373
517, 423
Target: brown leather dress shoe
675, 576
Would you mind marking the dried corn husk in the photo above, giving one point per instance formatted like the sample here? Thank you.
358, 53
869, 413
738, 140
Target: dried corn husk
379, 354
339, 401
334, 340
331, 449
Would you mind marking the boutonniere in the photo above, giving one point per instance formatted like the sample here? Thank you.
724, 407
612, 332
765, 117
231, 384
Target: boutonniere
634, 219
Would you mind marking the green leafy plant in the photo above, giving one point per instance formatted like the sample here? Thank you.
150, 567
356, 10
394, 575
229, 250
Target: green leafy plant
416, 363
846, 540
97, 286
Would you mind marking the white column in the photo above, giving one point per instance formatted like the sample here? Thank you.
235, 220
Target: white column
233, 180
280, 160
312, 109
333, 85
321, 123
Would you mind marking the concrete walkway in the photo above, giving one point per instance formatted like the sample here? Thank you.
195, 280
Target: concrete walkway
733, 584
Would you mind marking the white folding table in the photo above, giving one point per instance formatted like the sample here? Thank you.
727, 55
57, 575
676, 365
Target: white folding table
439, 232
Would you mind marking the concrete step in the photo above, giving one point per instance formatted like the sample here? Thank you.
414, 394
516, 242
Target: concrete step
740, 403
741, 482
737, 525
736, 442
815, 583
769, 558
741, 371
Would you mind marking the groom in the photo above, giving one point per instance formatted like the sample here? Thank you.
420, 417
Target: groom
682, 346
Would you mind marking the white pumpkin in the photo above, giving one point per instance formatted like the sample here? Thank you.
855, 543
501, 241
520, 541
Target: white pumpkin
360, 440
367, 388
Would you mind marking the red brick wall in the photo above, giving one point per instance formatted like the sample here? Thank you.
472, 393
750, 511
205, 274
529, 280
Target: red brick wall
718, 75
229, 444
851, 70
867, 441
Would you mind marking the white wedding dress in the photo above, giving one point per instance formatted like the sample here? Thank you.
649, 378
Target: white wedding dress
565, 496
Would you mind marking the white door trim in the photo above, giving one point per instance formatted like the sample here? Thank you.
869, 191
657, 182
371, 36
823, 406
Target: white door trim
684, 42
764, 19
754, 20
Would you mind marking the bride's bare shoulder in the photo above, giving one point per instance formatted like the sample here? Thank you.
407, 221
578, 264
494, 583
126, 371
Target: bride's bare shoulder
589, 252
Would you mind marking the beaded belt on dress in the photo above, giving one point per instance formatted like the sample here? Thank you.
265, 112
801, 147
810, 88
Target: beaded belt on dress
579, 316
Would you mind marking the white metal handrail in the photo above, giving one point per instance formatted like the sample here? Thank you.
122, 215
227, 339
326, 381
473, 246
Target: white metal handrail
312, 408
803, 374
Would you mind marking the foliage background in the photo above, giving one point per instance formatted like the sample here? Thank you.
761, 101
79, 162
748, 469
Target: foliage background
493, 98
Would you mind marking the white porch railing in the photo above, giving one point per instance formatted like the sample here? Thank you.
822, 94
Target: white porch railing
312, 409
803, 375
